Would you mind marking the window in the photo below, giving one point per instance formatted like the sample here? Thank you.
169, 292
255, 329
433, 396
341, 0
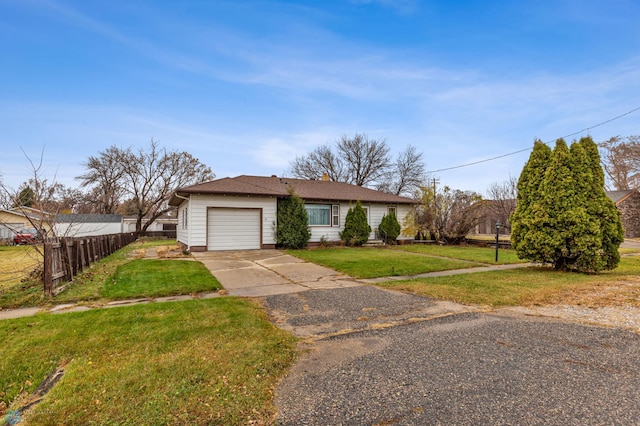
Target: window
319, 214
335, 215
184, 218
392, 210
366, 212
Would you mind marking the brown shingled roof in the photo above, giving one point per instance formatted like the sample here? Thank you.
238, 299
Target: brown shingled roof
274, 186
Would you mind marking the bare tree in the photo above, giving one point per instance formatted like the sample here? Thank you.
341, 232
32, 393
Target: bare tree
104, 177
501, 201
43, 203
367, 160
364, 162
621, 160
147, 178
406, 175
448, 215
5, 198
320, 161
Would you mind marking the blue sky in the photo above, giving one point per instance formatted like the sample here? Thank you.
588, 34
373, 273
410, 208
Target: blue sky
246, 86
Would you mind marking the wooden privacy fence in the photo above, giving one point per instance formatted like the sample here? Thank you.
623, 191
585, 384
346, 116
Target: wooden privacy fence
65, 257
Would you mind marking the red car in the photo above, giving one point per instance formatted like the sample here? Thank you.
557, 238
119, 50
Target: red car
25, 236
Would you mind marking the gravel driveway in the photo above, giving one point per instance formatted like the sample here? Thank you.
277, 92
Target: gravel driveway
376, 357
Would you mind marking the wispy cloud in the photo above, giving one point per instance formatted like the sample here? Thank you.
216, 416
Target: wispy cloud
404, 7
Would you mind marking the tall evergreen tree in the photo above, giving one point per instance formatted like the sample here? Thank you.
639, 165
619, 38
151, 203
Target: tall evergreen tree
529, 202
565, 218
292, 230
602, 207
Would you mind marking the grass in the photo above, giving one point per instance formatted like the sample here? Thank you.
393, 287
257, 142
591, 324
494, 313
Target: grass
533, 286
91, 284
16, 262
157, 278
377, 262
211, 361
472, 254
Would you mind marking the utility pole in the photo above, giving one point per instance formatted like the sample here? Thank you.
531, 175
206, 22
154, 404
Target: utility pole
434, 180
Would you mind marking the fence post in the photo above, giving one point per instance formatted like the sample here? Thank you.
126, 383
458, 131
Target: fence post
66, 259
46, 270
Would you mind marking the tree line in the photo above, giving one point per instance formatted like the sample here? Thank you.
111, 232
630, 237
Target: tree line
117, 181
140, 182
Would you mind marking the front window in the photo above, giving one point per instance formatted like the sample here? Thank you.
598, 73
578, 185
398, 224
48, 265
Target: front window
366, 212
392, 210
335, 213
319, 214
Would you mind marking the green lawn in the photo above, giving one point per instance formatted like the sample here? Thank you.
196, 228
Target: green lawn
470, 253
529, 286
211, 361
377, 262
16, 262
122, 276
157, 278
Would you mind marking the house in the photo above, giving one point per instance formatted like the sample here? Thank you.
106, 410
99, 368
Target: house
163, 224
492, 213
16, 219
87, 225
626, 201
241, 212
628, 204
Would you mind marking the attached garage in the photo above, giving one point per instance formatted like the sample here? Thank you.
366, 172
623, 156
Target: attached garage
233, 228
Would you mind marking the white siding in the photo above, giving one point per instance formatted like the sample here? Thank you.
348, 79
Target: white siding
233, 229
196, 233
376, 211
86, 229
182, 230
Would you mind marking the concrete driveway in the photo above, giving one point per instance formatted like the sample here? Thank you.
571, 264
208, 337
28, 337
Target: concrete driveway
258, 273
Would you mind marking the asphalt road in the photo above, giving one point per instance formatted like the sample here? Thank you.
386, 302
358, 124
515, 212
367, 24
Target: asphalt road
387, 358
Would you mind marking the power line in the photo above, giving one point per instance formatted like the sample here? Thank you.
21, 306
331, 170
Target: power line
586, 129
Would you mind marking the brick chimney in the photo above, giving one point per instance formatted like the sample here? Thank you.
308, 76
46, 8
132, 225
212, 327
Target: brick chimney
325, 177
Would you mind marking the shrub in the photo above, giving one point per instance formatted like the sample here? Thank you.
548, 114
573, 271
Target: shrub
356, 228
389, 228
292, 230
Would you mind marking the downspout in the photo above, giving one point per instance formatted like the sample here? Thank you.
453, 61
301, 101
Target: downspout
186, 199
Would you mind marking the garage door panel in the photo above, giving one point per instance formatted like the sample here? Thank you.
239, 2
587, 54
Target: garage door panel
233, 229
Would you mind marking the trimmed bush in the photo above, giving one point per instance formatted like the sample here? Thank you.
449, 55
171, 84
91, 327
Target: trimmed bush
356, 228
292, 230
389, 228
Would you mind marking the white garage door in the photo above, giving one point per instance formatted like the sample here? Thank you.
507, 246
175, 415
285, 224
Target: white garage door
233, 229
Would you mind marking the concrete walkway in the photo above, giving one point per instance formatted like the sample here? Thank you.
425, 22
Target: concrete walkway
259, 273
74, 307
448, 272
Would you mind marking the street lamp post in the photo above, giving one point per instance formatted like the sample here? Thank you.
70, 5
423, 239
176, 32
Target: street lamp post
498, 225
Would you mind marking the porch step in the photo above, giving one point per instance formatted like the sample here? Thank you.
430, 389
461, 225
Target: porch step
373, 243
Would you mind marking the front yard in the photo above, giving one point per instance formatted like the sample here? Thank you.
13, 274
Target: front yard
379, 262
217, 361
211, 361
523, 286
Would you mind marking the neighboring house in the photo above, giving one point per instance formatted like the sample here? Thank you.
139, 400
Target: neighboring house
628, 204
493, 212
16, 219
87, 225
161, 224
241, 212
